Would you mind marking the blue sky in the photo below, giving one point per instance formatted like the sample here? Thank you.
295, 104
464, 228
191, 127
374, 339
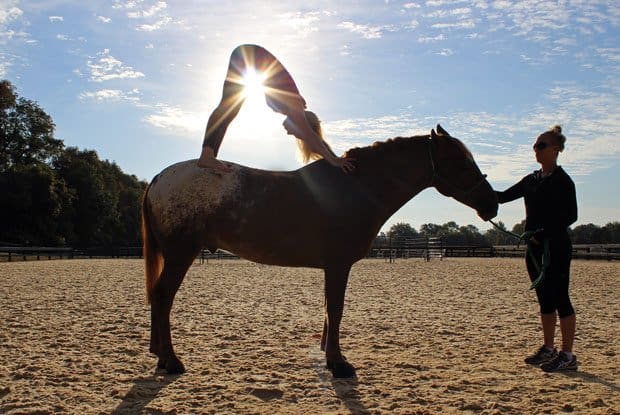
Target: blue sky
137, 80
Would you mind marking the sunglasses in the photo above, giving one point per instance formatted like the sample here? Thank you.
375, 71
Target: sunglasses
541, 145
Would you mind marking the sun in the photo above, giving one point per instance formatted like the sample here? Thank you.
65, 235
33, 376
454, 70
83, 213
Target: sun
253, 87
255, 120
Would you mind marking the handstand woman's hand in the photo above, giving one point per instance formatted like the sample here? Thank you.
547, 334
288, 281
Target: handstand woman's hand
346, 164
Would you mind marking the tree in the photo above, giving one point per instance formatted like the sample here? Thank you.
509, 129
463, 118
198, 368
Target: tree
519, 228
33, 201
26, 131
88, 219
587, 234
499, 236
470, 235
429, 230
611, 233
400, 232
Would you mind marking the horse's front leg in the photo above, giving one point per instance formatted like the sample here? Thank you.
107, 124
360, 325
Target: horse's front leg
335, 286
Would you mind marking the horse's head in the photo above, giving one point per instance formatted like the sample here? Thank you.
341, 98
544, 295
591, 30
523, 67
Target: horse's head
455, 174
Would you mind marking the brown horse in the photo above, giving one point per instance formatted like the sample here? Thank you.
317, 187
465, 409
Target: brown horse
317, 216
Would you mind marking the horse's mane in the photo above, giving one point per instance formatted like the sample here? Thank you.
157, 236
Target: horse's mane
397, 144
379, 148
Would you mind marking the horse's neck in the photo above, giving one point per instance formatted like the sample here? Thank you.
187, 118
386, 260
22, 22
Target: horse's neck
395, 180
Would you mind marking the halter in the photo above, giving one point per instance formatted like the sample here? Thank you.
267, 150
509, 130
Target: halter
437, 178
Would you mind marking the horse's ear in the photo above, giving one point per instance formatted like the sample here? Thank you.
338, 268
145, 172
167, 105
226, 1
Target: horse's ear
441, 131
433, 134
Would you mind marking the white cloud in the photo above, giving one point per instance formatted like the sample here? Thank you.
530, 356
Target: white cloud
107, 67
445, 52
154, 12
4, 66
111, 95
411, 6
465, 24
56, 19
303, 23
176, 119
62, 37
367, 32
440, 3
154, 26
104, 19
611, 54
9, 13
10, 34
437, 38
147, 12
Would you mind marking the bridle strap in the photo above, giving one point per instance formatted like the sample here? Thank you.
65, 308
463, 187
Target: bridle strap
437, 178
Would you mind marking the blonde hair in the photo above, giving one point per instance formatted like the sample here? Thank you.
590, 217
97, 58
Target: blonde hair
556, 133
305, 152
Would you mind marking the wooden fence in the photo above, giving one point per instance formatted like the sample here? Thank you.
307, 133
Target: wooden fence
411, 250
21, 253
595, 251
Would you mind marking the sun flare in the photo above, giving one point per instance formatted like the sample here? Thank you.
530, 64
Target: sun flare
253, 87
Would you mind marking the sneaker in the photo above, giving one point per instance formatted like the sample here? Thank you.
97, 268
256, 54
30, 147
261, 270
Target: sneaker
561, 362
543, 355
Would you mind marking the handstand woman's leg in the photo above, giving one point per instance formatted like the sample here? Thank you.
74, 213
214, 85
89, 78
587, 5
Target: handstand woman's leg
281, 92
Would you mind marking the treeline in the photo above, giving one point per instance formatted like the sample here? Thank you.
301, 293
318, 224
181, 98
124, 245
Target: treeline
453, 234
54, 195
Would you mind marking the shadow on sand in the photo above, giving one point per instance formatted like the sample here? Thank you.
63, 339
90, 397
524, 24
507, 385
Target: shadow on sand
592, 378
143, 391
346, 390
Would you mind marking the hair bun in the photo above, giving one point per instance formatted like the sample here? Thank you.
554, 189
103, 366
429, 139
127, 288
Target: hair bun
557, 129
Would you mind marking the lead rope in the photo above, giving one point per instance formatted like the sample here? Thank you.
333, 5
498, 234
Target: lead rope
526, 236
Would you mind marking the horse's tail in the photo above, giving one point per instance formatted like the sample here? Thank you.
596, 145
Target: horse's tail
153, 258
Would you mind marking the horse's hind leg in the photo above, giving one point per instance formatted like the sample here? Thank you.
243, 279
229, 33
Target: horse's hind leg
168, 284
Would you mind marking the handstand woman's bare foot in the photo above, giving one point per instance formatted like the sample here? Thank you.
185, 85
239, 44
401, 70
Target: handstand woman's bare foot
208, 160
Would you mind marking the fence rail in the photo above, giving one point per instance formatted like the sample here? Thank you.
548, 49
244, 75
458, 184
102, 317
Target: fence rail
594, 251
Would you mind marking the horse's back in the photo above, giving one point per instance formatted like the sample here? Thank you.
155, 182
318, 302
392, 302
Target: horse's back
183, 193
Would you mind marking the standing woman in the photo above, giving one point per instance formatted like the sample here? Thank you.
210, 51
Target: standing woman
550, 207
281, 95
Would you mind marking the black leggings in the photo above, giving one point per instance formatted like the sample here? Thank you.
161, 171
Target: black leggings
280, 90
552, 293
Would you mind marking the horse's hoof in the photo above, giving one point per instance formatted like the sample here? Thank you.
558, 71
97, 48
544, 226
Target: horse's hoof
342, 369
174, 367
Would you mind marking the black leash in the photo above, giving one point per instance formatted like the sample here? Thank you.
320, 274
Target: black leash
526, 236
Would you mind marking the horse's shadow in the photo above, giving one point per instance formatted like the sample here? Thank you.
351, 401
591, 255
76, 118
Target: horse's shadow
346, 390
143, 391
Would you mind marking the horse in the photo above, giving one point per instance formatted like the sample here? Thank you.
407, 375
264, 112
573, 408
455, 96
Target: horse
317, 216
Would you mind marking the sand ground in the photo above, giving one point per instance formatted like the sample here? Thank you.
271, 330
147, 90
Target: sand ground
426, 338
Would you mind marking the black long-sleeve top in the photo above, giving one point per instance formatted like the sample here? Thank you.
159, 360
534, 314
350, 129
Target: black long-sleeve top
550, 202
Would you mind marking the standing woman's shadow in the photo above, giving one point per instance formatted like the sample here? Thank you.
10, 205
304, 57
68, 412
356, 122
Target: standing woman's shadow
143, 391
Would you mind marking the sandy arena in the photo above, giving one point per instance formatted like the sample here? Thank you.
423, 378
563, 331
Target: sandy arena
443, 337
